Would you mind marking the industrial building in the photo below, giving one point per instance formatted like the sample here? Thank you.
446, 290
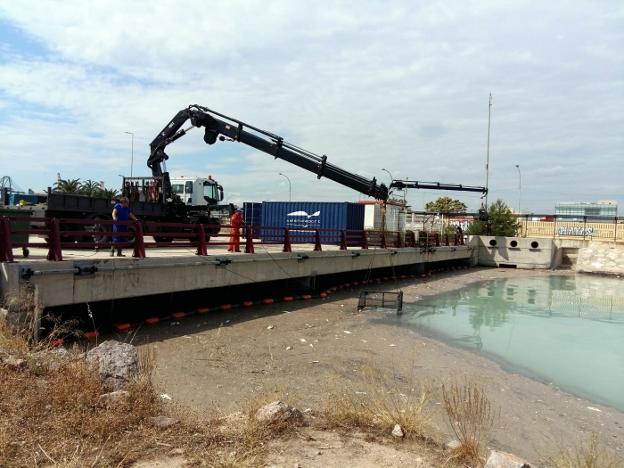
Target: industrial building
599, 209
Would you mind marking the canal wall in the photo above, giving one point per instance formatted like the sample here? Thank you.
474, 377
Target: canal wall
82, 281
599, 257
515, 252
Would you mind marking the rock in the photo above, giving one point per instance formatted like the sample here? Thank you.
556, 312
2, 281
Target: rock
278, 411
116, 363
49, 360
163, 421
108, 399
505, 460
398, 431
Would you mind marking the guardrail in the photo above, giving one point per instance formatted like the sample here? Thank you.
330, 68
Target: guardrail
57, 234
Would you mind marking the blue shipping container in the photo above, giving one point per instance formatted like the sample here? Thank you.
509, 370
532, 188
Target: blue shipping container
15, 198
304, 218
252, 215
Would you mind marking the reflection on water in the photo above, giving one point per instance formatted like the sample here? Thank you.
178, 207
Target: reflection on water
560, 329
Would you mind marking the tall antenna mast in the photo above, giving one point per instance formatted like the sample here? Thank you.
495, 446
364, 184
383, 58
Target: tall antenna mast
487, 160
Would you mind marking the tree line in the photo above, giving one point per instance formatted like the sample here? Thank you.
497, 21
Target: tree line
88, 187
501, 220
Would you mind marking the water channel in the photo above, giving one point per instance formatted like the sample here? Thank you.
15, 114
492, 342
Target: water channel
564, 330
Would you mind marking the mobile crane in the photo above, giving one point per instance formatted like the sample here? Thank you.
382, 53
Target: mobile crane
218, 126
195, 200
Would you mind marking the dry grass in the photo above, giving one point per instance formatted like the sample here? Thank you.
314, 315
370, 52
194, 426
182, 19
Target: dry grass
471, 418
52, 417
380, 404
56, 417
586, 454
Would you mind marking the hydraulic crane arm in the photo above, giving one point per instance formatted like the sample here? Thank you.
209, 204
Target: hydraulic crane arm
414, 184
222, 127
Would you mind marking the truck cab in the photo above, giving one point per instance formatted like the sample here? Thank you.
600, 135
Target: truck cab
197, 191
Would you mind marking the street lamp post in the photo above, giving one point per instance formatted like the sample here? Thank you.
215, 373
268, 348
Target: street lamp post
131, 152
391, 178
289, 186
519, 189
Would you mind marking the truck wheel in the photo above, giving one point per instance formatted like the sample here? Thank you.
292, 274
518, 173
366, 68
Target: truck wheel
213, 227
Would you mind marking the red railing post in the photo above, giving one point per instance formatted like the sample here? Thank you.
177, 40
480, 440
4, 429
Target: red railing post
317, 241
446, 239
201, 240
6, 247
287, 247
383, 240
139, 241
408, 239
343, 240
437, 239
364, 240
399, 240
54, 241
249, 246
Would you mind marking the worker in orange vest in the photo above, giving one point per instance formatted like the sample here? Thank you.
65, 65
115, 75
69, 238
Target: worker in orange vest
236, 221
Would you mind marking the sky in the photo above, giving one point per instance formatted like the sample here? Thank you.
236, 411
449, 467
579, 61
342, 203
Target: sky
395, 85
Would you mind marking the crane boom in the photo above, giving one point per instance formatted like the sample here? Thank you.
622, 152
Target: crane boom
222, 127
414, 184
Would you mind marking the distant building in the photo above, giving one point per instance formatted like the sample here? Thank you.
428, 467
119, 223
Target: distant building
601, 208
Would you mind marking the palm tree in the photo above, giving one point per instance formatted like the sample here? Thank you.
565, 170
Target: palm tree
67, 185
108, 193
91, 188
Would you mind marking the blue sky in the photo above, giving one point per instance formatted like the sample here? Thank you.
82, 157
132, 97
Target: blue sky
397, 85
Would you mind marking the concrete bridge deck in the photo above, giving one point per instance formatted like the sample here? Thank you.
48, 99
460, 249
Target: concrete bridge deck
88, 276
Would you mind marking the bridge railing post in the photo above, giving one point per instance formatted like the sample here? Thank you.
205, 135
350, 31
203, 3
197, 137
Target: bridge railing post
399, 240
139, 241
343, 240
287, 246
201, 240
54, 241
6, 246
249, 246
317, 241
364, 240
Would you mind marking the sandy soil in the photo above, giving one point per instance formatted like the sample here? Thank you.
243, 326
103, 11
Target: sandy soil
306, 351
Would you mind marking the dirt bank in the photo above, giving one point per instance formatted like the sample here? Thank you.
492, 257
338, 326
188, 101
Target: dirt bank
306, 351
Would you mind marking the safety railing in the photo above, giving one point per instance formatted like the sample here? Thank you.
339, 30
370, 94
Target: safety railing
58, 234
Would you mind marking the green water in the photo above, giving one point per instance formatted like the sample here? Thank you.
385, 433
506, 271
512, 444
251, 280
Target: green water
568, 331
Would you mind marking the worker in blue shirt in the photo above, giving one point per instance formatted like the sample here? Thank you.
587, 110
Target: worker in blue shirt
121, 212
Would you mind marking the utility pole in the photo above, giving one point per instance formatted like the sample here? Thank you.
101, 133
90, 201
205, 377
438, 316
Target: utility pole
487, 160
